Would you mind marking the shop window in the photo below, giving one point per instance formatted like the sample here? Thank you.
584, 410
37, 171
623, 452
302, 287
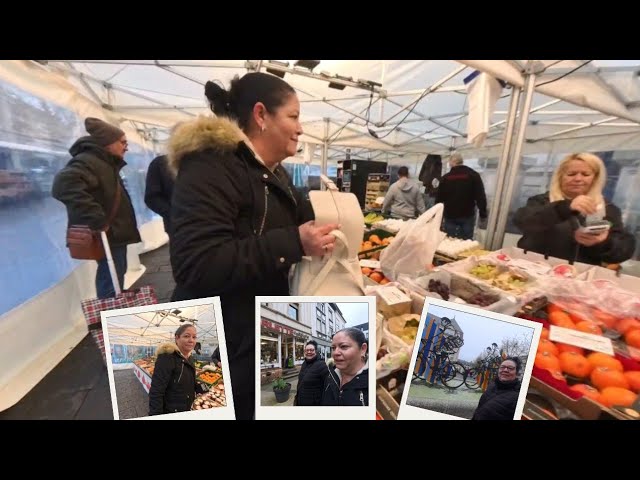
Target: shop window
268, 352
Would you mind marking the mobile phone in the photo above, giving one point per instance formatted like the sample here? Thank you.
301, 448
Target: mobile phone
595, 228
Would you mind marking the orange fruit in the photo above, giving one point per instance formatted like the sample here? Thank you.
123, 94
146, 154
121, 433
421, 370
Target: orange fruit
611, 396
598, 359
604, 318
633, 338
633, 377
627, 324
376, 277
575, 364
563, 347
587, 390
547, 346
589, 327
375, 239
552, 307
559, 317
384, 281
603, 377
366, 271
547, 361
576, 317
544, 334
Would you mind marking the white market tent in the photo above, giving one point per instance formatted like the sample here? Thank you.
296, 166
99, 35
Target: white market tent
157, 327
413, 107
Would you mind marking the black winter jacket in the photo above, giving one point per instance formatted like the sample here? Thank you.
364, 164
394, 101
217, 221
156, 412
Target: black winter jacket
310, 382
498, 402
354, 393
548, 228
461, 190
159, 189
87, 187
235, 234
173, 384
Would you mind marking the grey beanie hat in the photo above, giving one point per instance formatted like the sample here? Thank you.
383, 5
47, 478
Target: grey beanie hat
103, 133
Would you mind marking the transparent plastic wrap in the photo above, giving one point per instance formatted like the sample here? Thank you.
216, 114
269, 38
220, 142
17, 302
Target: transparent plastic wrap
599, 301
393, 354
491, 272
538, 265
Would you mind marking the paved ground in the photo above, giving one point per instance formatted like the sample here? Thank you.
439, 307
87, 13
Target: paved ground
268, 398
78, 387
133, 400
460, 402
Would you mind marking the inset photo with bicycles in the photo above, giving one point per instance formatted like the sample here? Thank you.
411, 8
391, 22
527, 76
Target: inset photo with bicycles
469, 363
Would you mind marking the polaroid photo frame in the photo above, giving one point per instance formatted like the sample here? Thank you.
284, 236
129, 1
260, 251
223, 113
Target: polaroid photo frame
276, 326
482, 327
119, 319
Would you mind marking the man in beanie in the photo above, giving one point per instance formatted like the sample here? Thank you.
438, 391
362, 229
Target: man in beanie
88, 185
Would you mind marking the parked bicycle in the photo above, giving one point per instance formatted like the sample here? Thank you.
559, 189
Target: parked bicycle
445, 343
485, 370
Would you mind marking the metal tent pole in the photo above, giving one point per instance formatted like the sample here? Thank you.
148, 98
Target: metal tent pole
502, 166
325, 150
514, 166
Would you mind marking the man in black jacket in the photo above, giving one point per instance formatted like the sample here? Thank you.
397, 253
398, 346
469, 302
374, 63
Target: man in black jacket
159, 188
88, 186
461, 190
311, 378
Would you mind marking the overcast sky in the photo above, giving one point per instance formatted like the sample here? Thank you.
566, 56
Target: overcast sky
354, 313
480, 331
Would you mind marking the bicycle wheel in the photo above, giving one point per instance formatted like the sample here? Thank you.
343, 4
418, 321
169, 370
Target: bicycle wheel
473, 378
453, 375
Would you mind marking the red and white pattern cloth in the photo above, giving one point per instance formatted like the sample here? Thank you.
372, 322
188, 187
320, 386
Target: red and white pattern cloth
127, 299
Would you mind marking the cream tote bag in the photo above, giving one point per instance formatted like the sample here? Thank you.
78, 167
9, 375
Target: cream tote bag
338, 273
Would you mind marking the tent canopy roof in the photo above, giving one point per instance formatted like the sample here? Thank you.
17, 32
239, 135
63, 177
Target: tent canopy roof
153, 328
413, 106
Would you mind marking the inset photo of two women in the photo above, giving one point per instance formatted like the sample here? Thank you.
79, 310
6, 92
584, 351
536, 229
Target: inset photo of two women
314, 358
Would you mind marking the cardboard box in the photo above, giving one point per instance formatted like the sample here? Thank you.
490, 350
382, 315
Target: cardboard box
393, 302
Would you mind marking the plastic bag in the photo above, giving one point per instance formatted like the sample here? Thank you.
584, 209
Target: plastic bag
413, 249
397, 354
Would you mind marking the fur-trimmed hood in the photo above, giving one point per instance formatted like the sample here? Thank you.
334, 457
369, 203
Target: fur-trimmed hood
167, 348
218, 133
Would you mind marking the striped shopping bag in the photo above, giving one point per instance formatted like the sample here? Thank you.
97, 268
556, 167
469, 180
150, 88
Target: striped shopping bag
91, 308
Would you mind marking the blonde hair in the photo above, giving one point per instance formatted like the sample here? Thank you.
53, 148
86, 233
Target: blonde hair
599, 174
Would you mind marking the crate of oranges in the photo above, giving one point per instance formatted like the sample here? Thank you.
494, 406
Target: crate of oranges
373, 242
611, 381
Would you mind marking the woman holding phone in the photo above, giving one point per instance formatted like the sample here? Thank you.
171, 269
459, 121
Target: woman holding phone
558, 223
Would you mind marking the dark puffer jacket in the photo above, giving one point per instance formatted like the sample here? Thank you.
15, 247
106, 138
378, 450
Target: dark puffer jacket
310, 382
498, 402
173, 384
549, 227
159, 189
235, 235
353, 393
87, 186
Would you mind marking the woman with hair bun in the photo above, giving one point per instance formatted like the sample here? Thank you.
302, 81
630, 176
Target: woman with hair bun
239, 223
